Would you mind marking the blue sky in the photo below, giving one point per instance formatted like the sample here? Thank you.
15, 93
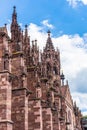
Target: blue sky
67, 20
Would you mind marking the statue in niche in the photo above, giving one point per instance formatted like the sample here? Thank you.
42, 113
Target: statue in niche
48, 68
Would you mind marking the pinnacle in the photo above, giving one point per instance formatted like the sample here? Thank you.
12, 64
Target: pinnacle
48, 33
14, 9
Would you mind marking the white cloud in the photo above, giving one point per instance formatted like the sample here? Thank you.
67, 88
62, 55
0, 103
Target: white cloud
84, 2
74, 3
47, 24
36, 32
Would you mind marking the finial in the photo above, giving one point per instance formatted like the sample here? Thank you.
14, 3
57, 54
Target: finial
35, 41
26, 26
49, 33
14, 8
5, 24
32, 42
26, 31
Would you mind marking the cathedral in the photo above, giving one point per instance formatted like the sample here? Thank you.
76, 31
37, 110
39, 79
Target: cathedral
33, 95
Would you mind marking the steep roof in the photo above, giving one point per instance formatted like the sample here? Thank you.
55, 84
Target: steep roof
49, 44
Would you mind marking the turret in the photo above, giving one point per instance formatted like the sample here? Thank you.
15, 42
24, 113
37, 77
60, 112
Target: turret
50, 58
62, 79
26, 43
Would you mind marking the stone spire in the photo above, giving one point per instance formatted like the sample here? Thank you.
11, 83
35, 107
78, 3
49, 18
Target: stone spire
14, 15
49, 44
14, 26
26, 37
26, 31
26, 44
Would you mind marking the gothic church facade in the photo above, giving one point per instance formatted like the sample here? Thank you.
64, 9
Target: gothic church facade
33, 95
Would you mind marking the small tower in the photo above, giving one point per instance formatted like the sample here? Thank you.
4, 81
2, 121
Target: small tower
62, 79
15, 28
34, 53
50, 59
26, 44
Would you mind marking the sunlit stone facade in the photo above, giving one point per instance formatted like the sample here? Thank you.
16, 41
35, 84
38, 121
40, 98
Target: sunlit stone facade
33, 95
